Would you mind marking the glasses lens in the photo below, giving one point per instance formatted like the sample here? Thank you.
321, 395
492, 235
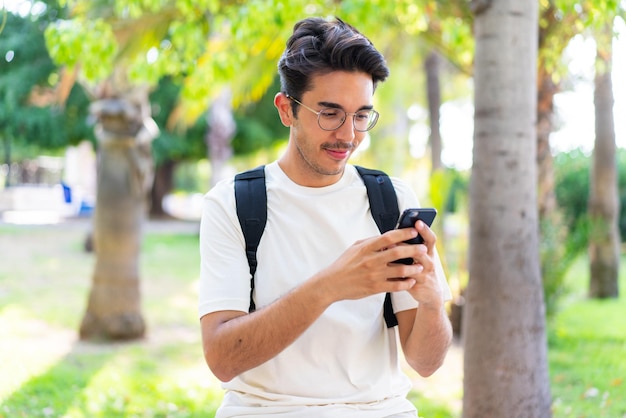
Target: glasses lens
330, 119
365, 120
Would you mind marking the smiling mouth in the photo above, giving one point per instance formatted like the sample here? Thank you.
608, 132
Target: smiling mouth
338, 151
338, 154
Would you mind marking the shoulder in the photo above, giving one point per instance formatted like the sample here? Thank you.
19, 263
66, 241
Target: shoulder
219, 203
223, 191
402, 188
406, 195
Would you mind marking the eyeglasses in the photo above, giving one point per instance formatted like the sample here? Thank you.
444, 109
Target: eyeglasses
330, 119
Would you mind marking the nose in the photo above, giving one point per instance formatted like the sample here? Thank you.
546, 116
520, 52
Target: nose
346, 131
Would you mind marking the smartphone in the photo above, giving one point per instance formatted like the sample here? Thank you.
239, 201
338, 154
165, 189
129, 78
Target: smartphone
408, 219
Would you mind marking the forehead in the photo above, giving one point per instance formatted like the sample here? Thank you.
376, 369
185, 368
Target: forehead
341, 87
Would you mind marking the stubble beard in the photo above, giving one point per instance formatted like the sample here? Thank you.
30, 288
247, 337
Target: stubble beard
318, 169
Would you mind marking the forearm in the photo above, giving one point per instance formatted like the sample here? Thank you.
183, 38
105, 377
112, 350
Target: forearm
426, 346
237, 344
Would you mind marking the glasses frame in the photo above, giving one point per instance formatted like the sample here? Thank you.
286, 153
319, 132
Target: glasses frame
318, 113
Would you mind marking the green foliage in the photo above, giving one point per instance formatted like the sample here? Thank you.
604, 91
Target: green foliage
258, 124
174, 142
621, 164
565, 235
212, 43
24, 62
572, 182
28, 118
445, 25
245, 43
74, 118
89, 42
559, 247
174, 50
192, 177
561, 20
449, 194
457, 194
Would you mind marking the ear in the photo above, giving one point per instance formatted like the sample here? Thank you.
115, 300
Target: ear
283, 104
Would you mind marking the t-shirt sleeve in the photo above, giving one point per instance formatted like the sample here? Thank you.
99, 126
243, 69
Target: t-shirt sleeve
224, 272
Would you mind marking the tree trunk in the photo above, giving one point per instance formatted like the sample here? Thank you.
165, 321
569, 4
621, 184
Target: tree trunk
124, 132
553, 231
7, 161
604, 240
545, 112
163, 184
505, 365
432, 66
221, 129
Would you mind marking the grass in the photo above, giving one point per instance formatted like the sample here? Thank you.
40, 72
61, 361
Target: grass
46, 372
587, 343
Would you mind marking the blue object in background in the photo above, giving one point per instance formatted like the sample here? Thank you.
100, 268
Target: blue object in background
67, 192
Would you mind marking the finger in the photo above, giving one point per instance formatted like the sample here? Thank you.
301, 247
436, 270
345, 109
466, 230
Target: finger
401, 251
398, 271
400, 285
388, 240
425, 260
427, 234
396, 236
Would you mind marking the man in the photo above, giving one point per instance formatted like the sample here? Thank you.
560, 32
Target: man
317, 345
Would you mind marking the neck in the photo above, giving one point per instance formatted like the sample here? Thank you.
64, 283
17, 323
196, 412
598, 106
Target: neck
304, 175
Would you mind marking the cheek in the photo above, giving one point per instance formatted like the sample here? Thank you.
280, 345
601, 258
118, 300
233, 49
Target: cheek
358, 139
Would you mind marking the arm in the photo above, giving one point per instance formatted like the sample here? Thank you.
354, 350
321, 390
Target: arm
425, 332
235, 341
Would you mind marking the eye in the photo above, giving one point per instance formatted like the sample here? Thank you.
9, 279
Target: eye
330, 113
363, 116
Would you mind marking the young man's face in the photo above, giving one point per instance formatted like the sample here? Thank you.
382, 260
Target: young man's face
317, 157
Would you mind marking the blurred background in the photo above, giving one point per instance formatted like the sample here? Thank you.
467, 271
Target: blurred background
177, 95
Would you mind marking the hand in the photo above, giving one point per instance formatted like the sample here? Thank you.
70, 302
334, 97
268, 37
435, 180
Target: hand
427, 289
367, 267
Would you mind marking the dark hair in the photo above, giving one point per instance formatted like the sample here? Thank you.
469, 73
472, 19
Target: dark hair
318, 46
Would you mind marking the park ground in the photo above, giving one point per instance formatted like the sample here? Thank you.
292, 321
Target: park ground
45, 371
43, 263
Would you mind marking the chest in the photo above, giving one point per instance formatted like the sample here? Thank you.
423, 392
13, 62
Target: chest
307, 232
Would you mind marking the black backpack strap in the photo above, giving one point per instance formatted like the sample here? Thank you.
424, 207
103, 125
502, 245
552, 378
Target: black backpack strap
385, 211
251, 201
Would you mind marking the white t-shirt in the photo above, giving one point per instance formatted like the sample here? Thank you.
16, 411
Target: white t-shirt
346, 363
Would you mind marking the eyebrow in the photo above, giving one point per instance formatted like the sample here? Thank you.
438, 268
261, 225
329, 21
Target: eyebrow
338, 106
